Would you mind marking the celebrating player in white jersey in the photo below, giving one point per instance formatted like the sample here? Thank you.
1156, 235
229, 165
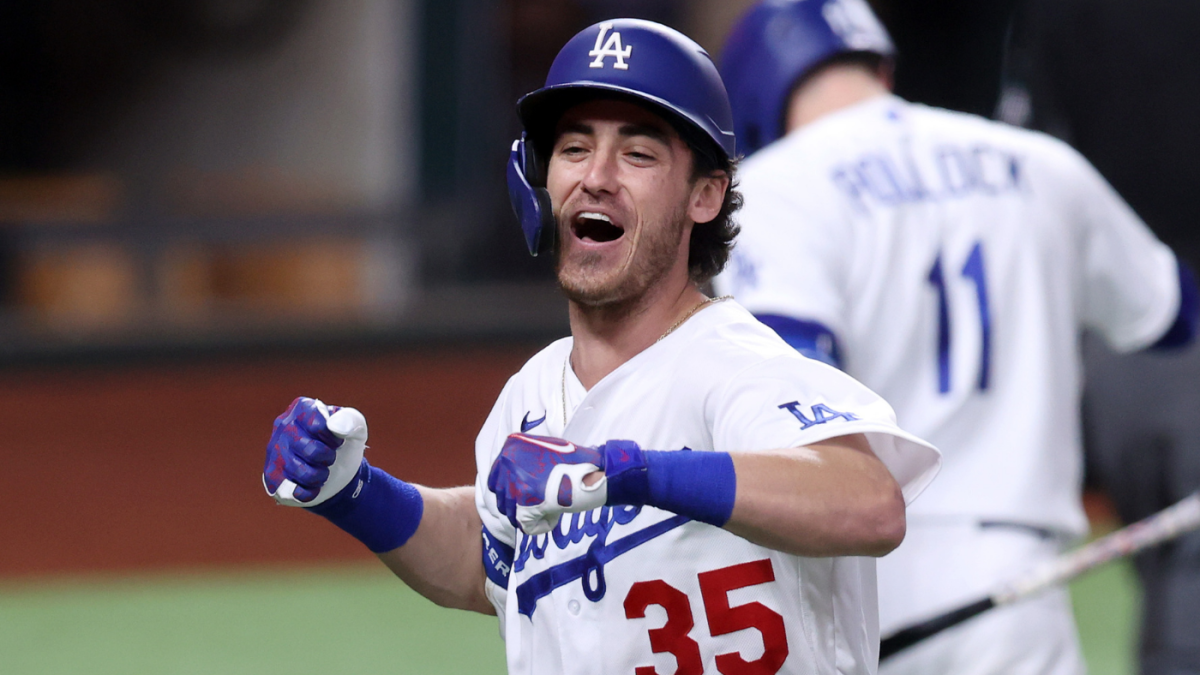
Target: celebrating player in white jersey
949, 263
672, 489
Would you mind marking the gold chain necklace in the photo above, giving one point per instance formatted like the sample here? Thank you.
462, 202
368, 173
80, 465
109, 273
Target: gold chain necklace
564, 389
704, 303
699, 306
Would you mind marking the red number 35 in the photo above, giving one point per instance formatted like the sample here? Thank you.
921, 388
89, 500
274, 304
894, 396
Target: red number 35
673, 637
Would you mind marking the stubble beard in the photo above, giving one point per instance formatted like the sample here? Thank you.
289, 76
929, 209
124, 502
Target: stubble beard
651, 261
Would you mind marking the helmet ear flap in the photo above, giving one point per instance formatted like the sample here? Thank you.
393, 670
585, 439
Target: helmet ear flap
529, 197
535, 168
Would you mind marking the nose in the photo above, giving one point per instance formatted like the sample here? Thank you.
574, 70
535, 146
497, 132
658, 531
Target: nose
601, 174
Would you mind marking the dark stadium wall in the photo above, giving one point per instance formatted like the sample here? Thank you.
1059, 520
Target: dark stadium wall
157, 466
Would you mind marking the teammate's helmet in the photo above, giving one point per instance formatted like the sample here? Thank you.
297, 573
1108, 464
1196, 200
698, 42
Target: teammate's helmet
779, 42
640, 60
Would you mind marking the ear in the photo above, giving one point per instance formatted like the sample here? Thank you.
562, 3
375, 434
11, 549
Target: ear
708, 194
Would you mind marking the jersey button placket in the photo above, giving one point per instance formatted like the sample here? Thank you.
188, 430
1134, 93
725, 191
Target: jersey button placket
584, 648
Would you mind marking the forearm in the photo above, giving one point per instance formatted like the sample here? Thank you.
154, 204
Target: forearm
829, 499
833, 498
443, 559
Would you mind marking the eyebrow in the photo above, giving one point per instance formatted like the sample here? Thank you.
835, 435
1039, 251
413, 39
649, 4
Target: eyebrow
625, 130
653, 132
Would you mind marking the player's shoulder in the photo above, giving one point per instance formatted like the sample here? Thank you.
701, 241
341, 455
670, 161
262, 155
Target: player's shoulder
530, 390
883, 121
551, 353
547, 360
941, 123
761, 393
541, 370
810, 149
728, 341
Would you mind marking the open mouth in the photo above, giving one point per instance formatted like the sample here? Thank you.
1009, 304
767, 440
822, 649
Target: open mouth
597, 227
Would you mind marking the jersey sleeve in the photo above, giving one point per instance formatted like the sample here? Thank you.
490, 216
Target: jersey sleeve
791, 257
1130, 280
499, 535
789, 401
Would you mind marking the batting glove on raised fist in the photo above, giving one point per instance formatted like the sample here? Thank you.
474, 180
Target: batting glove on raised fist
538, 478
314, 452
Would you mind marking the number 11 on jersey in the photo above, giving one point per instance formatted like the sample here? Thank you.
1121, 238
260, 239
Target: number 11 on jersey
973, 271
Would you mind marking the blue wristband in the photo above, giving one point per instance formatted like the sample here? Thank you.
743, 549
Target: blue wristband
699, 485
376, 508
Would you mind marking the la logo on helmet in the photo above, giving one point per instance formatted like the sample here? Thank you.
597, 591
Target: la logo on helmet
612, 47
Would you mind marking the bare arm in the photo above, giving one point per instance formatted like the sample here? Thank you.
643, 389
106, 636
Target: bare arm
443, 560
832, 498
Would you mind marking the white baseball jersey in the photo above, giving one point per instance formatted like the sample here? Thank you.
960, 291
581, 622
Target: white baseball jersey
956, 261
620, 589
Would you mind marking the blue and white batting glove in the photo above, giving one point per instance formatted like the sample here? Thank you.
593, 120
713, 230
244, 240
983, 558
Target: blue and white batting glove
315, 460
314, 452
536, 479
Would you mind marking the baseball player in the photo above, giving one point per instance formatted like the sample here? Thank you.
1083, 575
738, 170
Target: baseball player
949, 263
672, 489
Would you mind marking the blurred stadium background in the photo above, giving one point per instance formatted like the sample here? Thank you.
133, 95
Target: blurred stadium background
209, 207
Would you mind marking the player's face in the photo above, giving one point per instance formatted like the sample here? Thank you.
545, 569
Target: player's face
620, 181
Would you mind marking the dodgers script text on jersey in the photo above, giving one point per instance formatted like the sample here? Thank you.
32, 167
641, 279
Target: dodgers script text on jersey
721, 382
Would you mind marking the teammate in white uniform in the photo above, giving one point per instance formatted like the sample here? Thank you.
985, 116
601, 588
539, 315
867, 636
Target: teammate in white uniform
713, 480
949, 263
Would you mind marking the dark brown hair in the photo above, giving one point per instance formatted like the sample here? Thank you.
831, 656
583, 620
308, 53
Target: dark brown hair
712, 242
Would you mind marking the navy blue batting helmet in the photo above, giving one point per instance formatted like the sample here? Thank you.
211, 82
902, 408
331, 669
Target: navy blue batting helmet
776, 44
631, 58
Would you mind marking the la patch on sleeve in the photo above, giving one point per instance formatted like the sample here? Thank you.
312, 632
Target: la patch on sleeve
820, 414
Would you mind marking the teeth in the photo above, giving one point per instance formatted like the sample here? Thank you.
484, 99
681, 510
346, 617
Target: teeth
591, 215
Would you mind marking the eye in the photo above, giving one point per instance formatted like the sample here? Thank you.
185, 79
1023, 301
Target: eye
640, 156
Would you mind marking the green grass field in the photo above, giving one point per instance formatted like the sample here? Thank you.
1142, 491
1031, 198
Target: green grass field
349, 619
